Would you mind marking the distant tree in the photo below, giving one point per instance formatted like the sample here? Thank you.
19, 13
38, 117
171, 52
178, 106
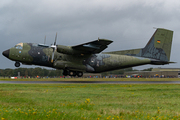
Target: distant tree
52, 73
58, 72
41, 72
148, 69
22, 71
37, 72
46, 72
30, 70
1, 72
117, 72
8, 72
135, 70
26, 72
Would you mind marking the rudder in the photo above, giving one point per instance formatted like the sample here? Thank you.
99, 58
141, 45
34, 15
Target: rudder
159, 46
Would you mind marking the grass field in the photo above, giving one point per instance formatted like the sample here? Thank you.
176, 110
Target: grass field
89, 101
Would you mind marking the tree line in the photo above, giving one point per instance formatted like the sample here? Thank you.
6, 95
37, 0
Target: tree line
52, 72
30, 72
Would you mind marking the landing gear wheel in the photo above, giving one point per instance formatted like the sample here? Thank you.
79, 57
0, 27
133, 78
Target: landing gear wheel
72, 73
17, 64
79, 74
65, 73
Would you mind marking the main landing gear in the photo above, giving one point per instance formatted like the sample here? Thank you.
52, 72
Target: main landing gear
17, 64
72, 73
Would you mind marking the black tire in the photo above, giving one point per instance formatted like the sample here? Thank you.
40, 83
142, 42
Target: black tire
79, 74
65, 73
17, 64
72, 73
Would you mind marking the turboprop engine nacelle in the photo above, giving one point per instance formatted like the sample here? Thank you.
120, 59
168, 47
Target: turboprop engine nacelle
67, 50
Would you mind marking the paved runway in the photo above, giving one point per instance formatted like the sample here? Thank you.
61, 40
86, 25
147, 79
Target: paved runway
91, 82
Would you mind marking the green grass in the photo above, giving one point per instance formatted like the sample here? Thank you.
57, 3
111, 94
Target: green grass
92, 79
89, 101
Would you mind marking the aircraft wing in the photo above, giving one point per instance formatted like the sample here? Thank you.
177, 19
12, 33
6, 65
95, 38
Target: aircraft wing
93, 47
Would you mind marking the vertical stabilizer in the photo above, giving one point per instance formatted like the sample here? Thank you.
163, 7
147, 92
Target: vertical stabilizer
159, 46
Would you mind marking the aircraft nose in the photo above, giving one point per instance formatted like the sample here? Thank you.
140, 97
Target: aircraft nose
6, 53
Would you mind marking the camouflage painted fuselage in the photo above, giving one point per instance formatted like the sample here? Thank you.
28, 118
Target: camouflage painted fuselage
33, 54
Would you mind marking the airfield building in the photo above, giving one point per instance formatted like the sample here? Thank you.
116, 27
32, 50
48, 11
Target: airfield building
156, 72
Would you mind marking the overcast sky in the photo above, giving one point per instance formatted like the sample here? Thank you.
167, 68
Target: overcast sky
129, 23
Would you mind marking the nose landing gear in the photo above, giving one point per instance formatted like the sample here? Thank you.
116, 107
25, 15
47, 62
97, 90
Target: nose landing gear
17, 64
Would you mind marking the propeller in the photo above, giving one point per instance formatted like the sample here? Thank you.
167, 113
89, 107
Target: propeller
45, 40
54, 48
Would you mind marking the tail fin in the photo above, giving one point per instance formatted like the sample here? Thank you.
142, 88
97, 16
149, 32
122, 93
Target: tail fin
158, 47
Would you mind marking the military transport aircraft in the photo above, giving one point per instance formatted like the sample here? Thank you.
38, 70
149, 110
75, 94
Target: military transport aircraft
74, 60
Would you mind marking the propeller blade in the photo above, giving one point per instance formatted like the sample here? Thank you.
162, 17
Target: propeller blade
55, 39
45, 40
54, 48
52, 56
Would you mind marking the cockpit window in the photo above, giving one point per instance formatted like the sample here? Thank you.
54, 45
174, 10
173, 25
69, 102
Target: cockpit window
19, 46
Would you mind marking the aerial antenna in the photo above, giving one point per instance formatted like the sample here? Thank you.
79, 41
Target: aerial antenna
45, 40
